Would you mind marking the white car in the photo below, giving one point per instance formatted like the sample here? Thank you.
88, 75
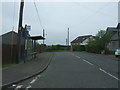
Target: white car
117, 52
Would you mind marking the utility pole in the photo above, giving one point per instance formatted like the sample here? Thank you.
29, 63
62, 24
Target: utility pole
43, 35
20, 29
66, 41
25, 43
68, 37
118, 35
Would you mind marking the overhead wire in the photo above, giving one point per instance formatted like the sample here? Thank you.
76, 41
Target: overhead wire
13, 16
38, 14
96, 12
99, 9
12, 35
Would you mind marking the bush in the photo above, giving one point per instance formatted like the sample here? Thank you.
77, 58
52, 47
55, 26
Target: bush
78, 48
99, 42
57, 48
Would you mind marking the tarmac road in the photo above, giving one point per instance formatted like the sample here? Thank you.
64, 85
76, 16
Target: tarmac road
76, 70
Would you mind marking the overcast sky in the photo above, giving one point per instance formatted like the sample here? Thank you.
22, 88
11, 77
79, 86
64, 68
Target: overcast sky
83, 18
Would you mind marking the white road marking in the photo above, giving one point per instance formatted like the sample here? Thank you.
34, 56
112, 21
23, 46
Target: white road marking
87, 62
13, 85
38, 76
28, 87
109, 74
18, 87
100, 69
77, 56
33, 81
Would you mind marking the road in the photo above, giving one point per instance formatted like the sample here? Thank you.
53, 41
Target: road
76, 70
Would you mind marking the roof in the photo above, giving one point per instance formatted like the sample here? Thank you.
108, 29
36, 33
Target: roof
37, 37
10, 32
112, 29
11, 38
118, 26
7, 38
80, 39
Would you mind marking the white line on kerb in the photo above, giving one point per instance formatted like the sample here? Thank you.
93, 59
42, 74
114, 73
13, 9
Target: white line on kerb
87, 62
109, 74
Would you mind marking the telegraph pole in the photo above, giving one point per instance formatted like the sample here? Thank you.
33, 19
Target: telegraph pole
118, 35
66, 41
68, 37
20, 29
43, 35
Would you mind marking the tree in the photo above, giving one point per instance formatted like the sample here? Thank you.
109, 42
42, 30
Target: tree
99, 43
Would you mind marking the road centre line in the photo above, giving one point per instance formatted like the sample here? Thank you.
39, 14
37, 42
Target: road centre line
77, 56
87, 62
100, 69
109, 74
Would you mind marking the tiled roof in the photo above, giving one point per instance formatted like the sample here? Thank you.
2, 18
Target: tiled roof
80, 39
112, 29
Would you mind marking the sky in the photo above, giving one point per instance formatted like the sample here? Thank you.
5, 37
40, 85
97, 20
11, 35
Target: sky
82, 18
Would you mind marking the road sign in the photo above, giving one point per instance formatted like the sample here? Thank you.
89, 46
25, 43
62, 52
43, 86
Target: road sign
28, 27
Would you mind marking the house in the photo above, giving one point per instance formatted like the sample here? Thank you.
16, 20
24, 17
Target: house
81, 40
114, 43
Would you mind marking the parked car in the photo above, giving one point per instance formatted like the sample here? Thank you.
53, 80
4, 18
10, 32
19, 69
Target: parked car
117, 52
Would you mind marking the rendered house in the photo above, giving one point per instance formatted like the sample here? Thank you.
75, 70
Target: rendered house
114, 43
81, 40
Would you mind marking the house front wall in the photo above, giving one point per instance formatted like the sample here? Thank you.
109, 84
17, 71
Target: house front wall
115, 36
75, 43
85, 42
113, 45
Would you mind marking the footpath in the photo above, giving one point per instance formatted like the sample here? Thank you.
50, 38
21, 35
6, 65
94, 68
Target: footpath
23, 71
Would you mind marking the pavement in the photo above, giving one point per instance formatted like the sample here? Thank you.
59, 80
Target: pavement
76, 70
23, 71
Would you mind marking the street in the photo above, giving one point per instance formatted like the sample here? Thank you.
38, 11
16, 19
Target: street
76, 70
60, 44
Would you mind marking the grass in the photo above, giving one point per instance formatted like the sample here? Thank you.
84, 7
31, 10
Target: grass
5, 66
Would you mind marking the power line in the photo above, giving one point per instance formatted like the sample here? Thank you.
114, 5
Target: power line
96, 12
13, 15
12, 35
38, 14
